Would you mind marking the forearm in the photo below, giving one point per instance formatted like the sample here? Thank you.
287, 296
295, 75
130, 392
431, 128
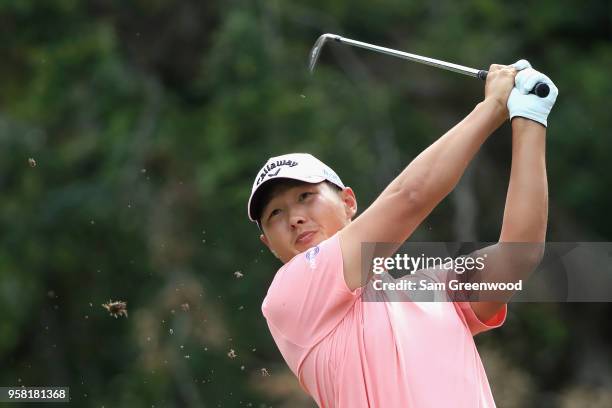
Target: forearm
525, 218
526, 209
435, 172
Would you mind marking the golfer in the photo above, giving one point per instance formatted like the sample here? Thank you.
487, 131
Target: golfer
351, 353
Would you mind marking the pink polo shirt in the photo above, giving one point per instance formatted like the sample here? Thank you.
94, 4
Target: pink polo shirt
351, 353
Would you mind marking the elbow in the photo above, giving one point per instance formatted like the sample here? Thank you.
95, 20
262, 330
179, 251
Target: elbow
535, 253
525, 256
413, 191
411, 197
402, 202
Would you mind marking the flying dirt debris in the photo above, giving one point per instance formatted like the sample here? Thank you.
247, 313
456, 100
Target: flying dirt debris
185, 307
116, 308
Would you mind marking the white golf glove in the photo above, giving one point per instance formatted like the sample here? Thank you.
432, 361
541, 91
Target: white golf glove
530, 106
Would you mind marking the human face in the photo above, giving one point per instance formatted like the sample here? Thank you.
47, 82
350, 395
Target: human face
300, 217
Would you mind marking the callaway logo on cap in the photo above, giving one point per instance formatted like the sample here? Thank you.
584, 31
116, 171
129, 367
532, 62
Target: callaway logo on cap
297, 166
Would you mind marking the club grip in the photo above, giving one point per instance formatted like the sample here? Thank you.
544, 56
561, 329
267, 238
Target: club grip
541, 89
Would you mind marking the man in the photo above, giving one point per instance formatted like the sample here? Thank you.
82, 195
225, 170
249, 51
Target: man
351, 353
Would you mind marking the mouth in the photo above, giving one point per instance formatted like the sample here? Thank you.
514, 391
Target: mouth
305, 237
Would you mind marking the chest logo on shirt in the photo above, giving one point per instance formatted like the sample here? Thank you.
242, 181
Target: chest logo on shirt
311, 255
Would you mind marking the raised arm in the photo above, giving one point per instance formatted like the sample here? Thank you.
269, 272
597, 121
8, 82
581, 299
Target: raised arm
526, 209
408, 199
525, 216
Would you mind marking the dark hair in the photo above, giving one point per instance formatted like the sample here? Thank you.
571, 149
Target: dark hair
263, 196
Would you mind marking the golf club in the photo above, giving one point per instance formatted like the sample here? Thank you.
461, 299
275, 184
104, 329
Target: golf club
540, 89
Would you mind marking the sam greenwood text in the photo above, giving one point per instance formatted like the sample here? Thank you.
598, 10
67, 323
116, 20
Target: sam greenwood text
453, 284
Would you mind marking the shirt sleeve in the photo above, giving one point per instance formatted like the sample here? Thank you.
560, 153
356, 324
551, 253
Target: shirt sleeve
477, 326
309, 296
464, 308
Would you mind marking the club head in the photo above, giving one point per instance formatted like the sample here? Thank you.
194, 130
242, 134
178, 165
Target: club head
318, 46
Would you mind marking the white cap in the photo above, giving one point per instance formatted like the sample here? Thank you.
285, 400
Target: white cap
297, 166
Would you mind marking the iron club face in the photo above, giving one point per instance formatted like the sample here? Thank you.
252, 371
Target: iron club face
317, 47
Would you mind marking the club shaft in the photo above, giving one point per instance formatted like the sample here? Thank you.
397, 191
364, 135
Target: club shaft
540, 89
412, 57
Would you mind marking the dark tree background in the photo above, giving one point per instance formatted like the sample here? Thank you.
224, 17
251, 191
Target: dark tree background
147, 121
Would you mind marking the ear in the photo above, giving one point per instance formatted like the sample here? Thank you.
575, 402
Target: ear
350, 202
264, 239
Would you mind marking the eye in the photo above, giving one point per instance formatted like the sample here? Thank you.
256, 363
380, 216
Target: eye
304, 195
273, 213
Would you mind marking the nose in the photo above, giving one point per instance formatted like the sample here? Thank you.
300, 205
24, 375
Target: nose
296, 218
